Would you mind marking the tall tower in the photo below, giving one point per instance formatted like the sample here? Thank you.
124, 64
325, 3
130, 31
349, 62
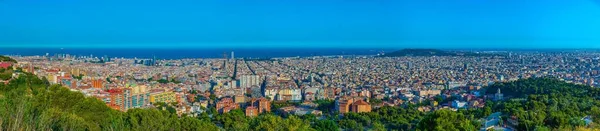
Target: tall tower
153, 60
232, 56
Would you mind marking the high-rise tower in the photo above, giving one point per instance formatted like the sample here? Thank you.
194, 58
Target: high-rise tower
153, 60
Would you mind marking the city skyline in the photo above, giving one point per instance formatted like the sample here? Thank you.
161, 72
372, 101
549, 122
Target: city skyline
307, 24
300, 65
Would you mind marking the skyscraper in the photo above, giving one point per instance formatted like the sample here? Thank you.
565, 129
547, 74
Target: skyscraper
105, 58
153, 60
232, 56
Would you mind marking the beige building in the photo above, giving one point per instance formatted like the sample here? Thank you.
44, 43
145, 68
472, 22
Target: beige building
352, 105
361, 106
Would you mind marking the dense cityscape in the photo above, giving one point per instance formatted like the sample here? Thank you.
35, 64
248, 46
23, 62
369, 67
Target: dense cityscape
298, 85
300, 65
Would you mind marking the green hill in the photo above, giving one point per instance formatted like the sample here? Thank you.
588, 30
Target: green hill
547, 103
29, 103
7, 59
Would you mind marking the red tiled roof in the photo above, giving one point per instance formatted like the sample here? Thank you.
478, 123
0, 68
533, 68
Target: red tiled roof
117, 91
5, 64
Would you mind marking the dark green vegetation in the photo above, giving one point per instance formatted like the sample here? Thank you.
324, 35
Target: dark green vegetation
409, 118
78, 77
7, 59
547, 103
237, 121
447, 120
433, 52
5, 74
164, 81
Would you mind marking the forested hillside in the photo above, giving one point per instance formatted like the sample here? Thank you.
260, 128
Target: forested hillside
29, 103
7, 59
548, 103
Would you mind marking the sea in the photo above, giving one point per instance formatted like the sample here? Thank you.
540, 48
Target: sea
193, 53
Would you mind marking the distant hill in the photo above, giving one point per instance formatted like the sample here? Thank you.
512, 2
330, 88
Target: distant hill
433, 52
7, 59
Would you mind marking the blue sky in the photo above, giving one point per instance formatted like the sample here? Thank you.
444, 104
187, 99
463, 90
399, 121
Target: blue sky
301, 23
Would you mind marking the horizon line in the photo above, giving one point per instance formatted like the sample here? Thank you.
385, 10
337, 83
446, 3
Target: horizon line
280, 47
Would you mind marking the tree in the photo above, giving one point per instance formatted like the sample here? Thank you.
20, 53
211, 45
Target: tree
446, 120
487, 111
293, 123
351, 125
193, 124
326, 125
325, 105
268, 122
233, 120
378, 127
163, 81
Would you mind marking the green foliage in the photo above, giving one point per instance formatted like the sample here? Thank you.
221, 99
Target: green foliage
547, 102
268, 122
79, 77
233, 120
5, 74
144, 120
378, 127
390, 117
192, 124
7, 59
446, 120
376, 101
163, 81
351, 125
542, 86
325, 125
293, 123
325, 105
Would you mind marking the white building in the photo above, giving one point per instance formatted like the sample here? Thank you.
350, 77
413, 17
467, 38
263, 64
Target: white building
247, 81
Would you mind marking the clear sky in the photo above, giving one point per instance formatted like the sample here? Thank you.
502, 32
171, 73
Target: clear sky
301, 23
